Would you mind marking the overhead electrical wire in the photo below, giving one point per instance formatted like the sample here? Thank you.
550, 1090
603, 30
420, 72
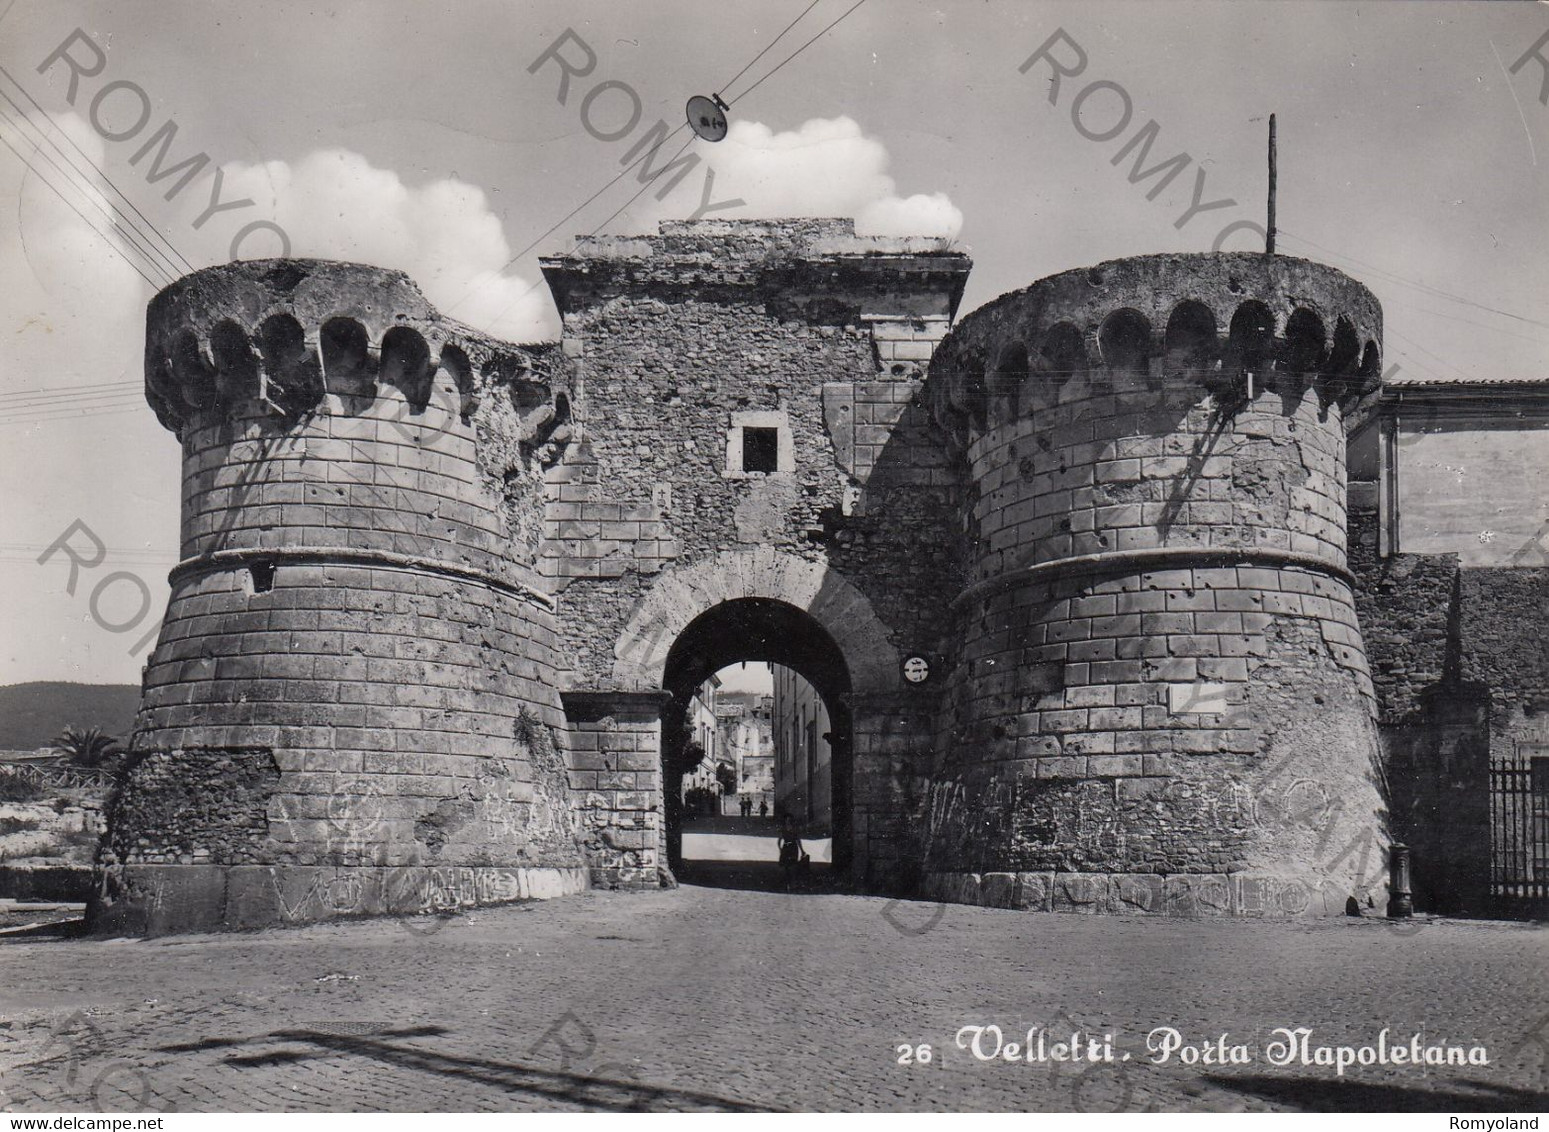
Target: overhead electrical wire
71, 206
725, 88
799, 50
1436, 292
151, 228
66, 390
649, 153
132, 236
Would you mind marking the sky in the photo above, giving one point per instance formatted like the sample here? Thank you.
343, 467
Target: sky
752, 676
433, 138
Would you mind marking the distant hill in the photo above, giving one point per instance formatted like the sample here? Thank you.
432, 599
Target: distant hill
32, 714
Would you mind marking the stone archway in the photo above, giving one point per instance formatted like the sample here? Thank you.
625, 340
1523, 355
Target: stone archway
757, 629
837, 610
680, 595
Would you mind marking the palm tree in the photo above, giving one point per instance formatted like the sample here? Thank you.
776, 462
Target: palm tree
86, 748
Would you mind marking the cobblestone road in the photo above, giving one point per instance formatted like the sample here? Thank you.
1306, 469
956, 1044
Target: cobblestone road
714, 999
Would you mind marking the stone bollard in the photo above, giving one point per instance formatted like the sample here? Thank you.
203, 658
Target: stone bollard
1401, 903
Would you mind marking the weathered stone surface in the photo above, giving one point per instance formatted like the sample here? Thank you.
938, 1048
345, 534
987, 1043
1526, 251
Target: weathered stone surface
66, 883
1201, 894
1138, 893
1035, 891
161, 899
998, 890
443, 598
1252, 895
1161, 669
1081, 892
357, 668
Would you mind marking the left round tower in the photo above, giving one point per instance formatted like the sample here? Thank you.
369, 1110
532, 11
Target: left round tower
352, 707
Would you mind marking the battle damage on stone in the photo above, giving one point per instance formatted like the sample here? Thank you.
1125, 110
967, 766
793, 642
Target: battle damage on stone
840, 555
443, 600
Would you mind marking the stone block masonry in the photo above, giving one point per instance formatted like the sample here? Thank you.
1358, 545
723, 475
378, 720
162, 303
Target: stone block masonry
679, 342
1161, 666
357, 667
616, 775
443, 600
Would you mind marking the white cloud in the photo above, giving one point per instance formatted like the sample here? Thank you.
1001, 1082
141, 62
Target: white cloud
68, 300
72, 315
824, 167
57, 273
334, 204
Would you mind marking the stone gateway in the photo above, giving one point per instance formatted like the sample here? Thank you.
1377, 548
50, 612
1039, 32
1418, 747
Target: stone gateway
443, 601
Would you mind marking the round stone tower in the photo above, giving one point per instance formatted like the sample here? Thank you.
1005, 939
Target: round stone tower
1161, 701
352, 706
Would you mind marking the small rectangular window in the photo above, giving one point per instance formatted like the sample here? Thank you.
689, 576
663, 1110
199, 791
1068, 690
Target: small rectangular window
760, 449
262, 576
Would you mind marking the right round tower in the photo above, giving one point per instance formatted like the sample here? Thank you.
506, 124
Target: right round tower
1160, 701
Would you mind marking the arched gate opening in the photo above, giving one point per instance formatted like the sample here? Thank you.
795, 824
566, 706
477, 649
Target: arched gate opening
756, 629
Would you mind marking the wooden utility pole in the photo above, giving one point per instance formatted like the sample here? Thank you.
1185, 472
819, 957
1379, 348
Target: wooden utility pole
1269, 235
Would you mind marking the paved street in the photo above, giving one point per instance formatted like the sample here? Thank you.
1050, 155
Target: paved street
708, 998
743, 839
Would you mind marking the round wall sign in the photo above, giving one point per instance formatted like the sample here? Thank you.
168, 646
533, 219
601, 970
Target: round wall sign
916, 669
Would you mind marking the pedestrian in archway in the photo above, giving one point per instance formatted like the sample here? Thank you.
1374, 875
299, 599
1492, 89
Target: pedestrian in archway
793, 858
763, 808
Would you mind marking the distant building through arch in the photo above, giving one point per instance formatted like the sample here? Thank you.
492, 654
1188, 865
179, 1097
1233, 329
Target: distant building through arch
1076, 578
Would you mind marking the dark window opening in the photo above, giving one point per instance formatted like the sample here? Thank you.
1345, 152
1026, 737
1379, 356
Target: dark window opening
262, 574
760, 449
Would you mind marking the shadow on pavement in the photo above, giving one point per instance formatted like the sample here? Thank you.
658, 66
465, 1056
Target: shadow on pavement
732, 823
758, 876
593, 1092
315, 1030
70, 928
1323, 1095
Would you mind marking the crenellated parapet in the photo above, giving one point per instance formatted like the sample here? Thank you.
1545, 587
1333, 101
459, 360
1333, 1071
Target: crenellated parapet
1235, 325
430, 581
287, 338
1159, 607
1163, 404
351, 707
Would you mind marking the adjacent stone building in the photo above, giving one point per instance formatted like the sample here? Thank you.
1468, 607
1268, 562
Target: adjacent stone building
1071, 576
702, 728
1449, 524
804, 757
747, 739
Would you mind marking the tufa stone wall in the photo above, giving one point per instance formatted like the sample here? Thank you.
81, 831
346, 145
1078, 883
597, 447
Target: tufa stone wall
1161, 671
193, 807
442, 599
678, 342
1405, 606
357, 596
